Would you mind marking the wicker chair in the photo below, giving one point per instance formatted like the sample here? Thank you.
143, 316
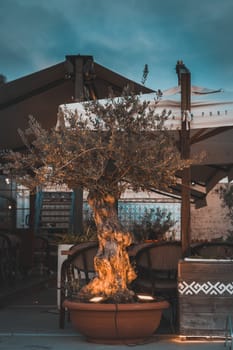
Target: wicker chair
5, 259
41, 255
76, 271
156, 267
10, 246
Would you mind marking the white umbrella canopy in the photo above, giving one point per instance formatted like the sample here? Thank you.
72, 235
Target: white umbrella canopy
210, 122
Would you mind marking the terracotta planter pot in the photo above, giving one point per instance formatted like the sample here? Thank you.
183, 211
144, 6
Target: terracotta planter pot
116, 323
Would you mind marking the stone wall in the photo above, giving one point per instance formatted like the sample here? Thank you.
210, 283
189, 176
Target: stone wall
210, 222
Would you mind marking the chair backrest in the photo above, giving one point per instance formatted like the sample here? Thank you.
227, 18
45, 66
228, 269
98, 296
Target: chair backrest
218, 250
5, 243
82, 257
160, 256
9, 256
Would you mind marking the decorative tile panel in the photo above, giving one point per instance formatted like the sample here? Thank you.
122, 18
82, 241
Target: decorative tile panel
131, 212
205, 288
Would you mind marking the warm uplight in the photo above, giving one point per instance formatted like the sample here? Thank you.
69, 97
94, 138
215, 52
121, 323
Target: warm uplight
194, 339
145, 297
96, 299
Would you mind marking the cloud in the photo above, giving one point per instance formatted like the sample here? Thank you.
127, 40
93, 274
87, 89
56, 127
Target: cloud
122, 35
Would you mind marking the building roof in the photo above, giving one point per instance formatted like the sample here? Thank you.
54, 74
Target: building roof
40, 94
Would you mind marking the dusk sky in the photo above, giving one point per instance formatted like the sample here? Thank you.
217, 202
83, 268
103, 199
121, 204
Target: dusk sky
122, 35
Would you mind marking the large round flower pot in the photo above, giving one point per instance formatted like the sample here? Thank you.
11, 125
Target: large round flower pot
116, 323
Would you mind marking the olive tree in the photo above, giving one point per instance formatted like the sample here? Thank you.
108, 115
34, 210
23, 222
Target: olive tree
116, 144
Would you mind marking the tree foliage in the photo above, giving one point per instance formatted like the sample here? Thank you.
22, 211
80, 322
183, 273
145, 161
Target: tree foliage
118, 143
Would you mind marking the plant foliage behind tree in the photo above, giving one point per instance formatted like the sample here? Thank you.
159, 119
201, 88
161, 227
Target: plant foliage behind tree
154, 224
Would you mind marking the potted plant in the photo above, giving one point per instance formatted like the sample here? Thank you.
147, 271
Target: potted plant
115, 144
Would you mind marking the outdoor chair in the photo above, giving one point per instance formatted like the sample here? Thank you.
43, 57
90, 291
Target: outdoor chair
76, 270
9, 258
156, 267
4, 259
41, 255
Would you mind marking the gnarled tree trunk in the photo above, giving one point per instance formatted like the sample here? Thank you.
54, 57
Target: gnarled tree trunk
112, 265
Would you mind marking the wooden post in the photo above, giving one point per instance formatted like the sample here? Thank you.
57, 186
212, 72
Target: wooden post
78, 192
184, 80
80, 69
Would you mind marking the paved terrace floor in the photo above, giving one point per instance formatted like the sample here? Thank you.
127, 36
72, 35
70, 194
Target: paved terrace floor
29, 321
